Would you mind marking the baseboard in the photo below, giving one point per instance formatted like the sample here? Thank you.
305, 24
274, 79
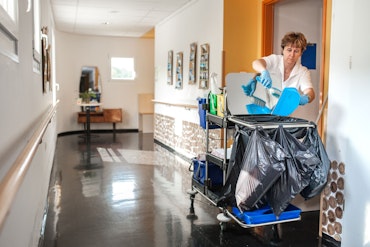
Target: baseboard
43, 225
172, 150
99, 131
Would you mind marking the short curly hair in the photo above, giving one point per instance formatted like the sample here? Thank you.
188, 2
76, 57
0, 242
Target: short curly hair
296, 39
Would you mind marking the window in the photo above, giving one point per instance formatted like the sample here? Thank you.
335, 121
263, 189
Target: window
9, 28
122, 68
9, 7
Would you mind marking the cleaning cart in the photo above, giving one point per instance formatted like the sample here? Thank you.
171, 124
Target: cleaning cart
273, 158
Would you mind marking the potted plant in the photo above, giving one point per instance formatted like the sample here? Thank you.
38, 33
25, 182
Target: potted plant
87, 96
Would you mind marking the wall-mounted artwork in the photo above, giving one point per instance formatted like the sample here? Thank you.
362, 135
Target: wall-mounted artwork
36, 36
204, 66
170, 68
179, 68
192, 63
45, 59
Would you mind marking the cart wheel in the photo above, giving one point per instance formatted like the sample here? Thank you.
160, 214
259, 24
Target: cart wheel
191, 192
223, 218
191, 214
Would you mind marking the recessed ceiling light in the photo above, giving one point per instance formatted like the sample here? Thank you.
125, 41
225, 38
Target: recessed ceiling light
106, 23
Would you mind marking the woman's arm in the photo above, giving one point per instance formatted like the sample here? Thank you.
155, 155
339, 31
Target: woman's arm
310, 93
259, 65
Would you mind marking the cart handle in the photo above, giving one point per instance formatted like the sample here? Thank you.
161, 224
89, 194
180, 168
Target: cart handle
322, 109
272, 125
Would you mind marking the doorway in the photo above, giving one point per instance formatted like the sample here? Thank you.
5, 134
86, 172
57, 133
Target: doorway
308, 17
280, 17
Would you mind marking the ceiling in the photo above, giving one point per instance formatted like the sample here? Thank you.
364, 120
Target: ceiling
123, 18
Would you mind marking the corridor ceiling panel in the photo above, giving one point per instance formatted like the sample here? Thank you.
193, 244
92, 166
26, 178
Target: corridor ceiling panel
121, 18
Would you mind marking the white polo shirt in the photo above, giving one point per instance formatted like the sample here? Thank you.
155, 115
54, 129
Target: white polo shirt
299, 78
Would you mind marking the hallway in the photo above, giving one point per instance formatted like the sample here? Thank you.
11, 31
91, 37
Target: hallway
127, 190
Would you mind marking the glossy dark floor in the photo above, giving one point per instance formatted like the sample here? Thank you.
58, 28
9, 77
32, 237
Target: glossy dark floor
126, 190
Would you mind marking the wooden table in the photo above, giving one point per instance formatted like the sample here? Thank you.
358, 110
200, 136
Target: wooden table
105, 116
87, 107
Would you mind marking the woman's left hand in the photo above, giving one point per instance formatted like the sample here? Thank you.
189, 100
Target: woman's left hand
304, 99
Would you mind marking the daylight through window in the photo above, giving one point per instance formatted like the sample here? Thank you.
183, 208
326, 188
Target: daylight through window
10, 8
122, 68
9, 28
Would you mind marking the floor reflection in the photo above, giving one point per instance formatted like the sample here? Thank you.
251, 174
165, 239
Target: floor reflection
136, 195
91, 182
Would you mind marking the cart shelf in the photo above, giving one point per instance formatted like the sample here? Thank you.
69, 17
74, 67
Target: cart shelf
215, 160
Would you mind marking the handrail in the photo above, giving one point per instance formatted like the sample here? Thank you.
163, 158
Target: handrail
179, 104
10, 184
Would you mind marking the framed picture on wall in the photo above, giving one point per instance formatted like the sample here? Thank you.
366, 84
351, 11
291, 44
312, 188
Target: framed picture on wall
179, 68
204, 66
192, 63
170, 68
45, 59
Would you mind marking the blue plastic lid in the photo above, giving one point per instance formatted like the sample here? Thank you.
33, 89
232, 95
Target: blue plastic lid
288, 102
256, 109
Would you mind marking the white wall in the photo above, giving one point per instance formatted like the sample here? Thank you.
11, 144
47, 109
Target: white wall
348, 114
23, 104
306, 17
199, 22
74, 51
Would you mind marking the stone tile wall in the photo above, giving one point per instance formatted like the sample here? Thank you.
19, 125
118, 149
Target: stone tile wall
164, 130
193, 137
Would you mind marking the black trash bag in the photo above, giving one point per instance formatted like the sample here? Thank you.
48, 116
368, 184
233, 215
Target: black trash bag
263, 163
297, 175
319, 176
241, 139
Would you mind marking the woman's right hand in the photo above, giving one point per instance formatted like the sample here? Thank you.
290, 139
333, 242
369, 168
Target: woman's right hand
265, 79
250, 87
